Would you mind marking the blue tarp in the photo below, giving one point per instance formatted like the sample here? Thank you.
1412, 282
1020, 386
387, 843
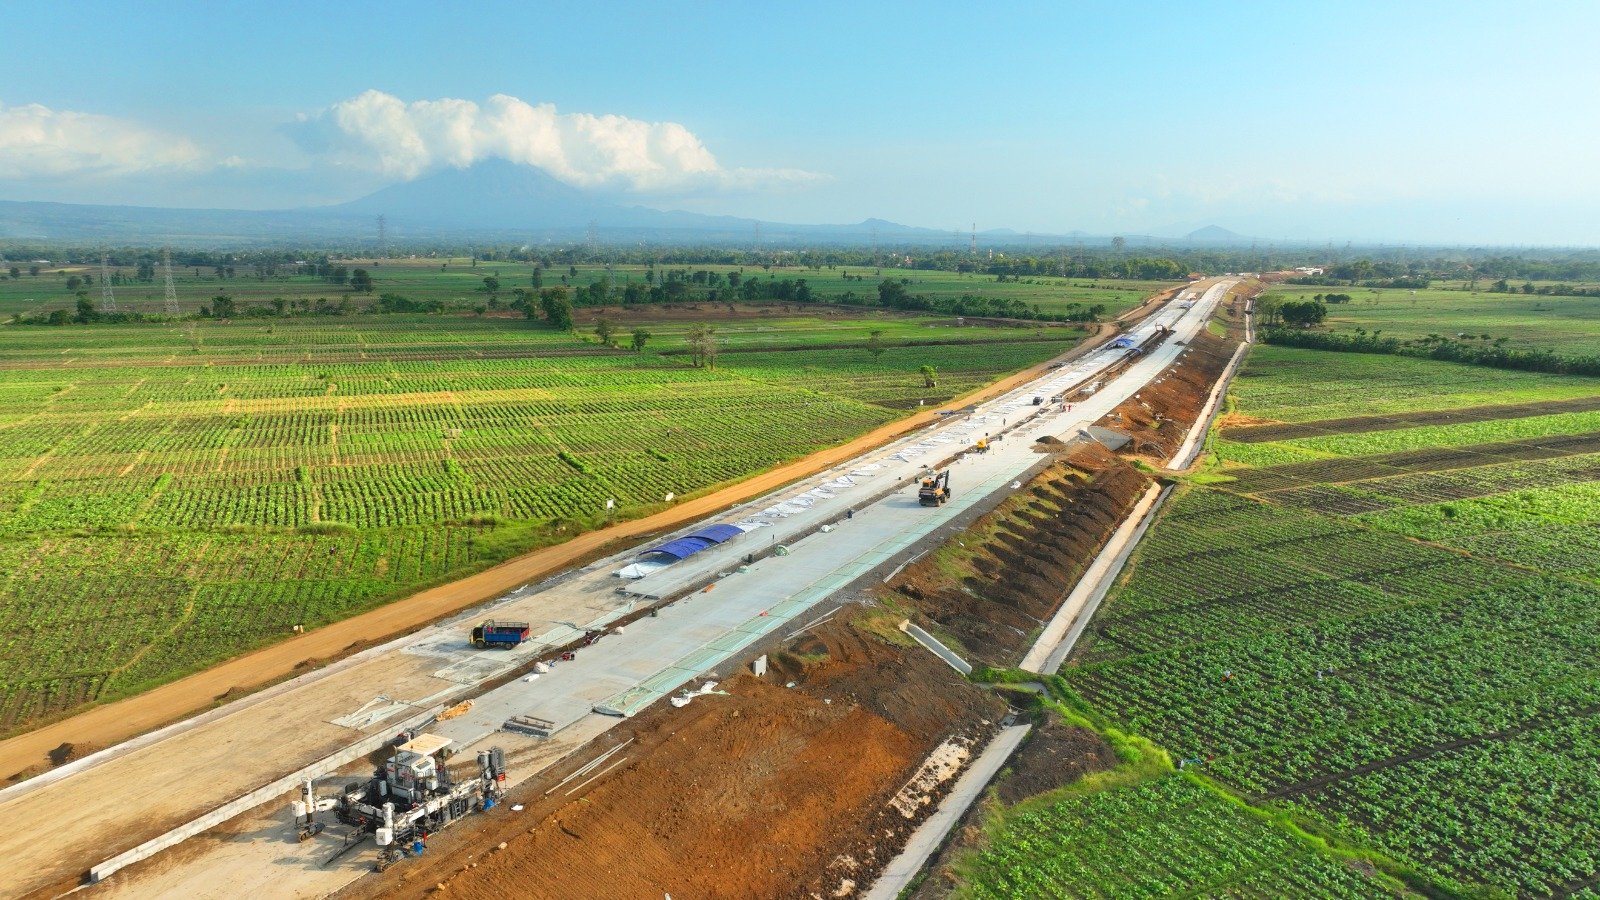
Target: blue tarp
718, 533
1122, 343
691, 544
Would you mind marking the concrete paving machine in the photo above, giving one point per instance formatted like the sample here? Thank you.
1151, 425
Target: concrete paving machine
935, 489
411, 797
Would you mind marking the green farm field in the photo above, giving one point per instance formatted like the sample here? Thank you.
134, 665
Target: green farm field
172, 495
457, 279
1162, 837
1564, 325
1387, 632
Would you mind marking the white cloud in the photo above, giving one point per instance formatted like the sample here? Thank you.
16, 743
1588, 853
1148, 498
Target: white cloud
39, 142
381, 132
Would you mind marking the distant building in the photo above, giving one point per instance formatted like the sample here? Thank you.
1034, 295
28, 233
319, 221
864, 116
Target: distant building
1309, 270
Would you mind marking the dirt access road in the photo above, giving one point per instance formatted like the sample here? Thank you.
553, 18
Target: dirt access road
104, 726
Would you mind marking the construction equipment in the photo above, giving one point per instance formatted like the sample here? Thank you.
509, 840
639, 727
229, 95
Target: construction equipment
411, 797
499, 634
982, 446
935, 489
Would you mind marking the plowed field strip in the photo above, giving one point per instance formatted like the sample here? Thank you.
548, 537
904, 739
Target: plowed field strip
1255, 434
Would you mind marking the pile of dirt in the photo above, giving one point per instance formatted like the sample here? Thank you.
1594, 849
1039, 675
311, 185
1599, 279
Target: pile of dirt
1000, 580
768, 792
1160, 415
1055, 754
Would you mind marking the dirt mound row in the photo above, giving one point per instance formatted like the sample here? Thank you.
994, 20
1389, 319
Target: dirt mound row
1257, 433
769, 792
994, 586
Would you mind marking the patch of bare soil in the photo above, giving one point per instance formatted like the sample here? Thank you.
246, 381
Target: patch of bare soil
1240, 420
1055, 754
998, 582
769, 792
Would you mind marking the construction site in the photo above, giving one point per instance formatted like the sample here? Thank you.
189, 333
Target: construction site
772, 701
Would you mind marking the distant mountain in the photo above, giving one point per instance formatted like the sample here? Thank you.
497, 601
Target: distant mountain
493, 200
1216, 234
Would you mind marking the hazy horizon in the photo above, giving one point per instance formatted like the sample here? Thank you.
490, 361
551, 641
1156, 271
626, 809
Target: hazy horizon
1379, 123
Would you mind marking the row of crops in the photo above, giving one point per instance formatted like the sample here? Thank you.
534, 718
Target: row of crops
1165, 837
170, 496
1393, 635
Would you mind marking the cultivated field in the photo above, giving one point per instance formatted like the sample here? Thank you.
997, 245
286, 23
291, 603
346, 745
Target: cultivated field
171, 495
1166, 836
458, 280
1565, 325
1387, 625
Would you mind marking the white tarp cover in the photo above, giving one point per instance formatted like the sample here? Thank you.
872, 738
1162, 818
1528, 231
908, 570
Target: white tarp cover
641, 569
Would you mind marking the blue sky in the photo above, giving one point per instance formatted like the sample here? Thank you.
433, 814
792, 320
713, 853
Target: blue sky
1394, 121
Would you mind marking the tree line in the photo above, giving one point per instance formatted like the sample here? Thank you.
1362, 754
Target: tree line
1478, 350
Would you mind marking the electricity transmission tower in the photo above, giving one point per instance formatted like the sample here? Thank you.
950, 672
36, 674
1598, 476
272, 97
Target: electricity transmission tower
172, 292
383, 237
974, 238
108, 301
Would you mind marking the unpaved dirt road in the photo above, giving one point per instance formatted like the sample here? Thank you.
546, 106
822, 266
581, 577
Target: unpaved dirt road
104, 726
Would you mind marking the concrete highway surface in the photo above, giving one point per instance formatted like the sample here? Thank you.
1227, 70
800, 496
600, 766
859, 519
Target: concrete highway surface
805, 544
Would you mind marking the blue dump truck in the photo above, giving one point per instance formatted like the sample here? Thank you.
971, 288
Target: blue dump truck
499, 634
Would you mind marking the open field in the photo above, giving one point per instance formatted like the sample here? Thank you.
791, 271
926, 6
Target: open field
460, 280
1390, 634
1565, 325
1156, 838
1288, 384
224, 482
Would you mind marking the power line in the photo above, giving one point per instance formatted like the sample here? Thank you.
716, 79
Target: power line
172, 292
108, 300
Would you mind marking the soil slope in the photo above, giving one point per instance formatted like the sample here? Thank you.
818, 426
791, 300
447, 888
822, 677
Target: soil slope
769, 792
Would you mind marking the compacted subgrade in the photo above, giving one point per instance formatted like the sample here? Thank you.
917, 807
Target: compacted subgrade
768, 791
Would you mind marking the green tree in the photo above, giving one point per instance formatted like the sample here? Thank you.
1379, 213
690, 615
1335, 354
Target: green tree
603, 329
1303, 314
86, 311
491, 286
1268, 307
875, 345
640, 338
702, 340
223, 307
361, 281
929, 376
74, 282
556, 307
16, 272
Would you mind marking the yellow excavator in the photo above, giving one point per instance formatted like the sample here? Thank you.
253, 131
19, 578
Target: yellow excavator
935, 489
982, 446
